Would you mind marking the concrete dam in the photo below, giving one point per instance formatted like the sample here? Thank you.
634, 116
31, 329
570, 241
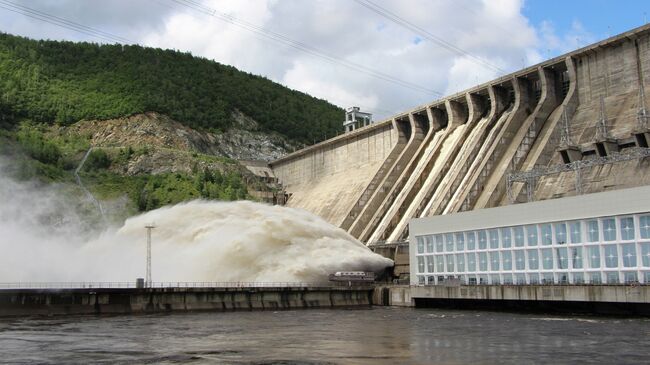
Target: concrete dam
571, 125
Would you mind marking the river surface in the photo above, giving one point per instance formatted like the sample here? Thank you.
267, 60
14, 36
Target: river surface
363, 336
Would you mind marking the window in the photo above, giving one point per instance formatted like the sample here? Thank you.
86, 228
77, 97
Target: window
644, 226
507, 279
533, 260
547, 278
440, 245
460, 263
560, 233
482, 261
519, 236
420, 264
421, 280
547, 259
563, 277
449, 239
629, 254
460, 242
594, 257
611, 256
612, 277
645, 254
482, 240
576, 232
471, 240
450, 263
506, 256
429, 241
547, 234
531, 232
533, 278
562, 258
431, 280
429, 263
630, 277
520, 279
576, 257
494, 261
609, 229
471, 262
494, 278
592, 231
520, 260
595, 278
494, 238
440, 263
578, 278
627, 228
506, 238
420, 241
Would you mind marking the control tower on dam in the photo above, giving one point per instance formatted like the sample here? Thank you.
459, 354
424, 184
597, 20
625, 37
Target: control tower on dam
571, 125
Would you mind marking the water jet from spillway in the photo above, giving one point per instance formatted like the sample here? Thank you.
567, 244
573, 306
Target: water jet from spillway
195, 241
246, 241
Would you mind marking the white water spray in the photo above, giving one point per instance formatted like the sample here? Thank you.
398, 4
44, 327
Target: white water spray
194, 241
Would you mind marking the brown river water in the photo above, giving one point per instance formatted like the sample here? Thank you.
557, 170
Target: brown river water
379, 335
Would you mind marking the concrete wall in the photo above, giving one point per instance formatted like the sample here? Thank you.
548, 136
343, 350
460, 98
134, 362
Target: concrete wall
452, 167
328, 178
573, 293
22, 302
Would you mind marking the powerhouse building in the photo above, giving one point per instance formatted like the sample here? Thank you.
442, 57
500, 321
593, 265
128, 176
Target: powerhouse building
600, 238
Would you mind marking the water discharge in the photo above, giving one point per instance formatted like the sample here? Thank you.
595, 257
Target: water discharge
43, 238
246, 241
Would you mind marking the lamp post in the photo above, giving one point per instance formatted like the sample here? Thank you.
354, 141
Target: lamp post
148, 282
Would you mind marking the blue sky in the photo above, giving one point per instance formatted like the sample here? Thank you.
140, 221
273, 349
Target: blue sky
601, 18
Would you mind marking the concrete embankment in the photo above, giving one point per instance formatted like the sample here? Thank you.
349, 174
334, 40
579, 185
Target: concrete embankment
22, 302
589, 299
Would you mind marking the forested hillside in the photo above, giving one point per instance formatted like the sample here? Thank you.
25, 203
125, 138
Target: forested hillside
64, 82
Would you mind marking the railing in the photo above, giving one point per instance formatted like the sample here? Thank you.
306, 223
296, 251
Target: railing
186, 284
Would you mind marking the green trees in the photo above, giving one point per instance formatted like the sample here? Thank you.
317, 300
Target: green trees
154, 191
37, 146
97, 159
64, 82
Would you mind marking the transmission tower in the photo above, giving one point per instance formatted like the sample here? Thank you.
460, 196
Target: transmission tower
148, 282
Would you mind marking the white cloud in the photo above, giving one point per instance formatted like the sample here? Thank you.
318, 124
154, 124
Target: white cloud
496, 31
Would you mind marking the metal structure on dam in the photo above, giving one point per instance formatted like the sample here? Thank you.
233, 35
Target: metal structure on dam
528, 135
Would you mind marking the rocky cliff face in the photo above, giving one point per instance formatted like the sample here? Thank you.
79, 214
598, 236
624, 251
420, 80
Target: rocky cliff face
244, 141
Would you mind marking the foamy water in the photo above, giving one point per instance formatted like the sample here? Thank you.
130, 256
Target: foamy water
43, 239
246, 241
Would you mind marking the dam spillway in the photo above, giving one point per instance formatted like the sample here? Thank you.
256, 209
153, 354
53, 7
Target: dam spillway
456, 154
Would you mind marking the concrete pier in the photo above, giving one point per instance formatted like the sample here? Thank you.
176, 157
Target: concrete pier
24, 302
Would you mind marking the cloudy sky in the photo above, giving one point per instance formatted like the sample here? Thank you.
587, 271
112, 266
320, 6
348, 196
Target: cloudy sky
383, 55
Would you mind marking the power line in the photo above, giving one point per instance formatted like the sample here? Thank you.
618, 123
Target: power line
61, 22
99, 34
426, 34
303, 47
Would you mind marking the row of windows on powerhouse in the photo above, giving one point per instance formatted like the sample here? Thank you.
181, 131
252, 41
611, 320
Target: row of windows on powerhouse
610, 277
609, 256
547, 234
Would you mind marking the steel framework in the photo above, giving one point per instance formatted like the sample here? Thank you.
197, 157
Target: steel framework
530, 177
